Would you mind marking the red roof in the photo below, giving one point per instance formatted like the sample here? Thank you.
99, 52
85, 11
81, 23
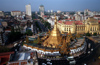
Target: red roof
6, 53
16, 11
36, 19
70, 22
7, 29
4, 57
99, 21
45, 16
96, 15
69, 19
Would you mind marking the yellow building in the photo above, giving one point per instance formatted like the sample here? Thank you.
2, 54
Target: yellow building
90, 25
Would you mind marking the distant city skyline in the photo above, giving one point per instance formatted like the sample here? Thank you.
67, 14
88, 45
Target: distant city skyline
62, 5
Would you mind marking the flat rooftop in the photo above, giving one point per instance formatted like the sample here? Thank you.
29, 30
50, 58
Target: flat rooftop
78, 43
20, 56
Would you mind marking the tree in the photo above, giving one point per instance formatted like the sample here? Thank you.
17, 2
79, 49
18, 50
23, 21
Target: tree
78, 35
88, 34
4, 49
39, 40
29, 33
13, 36
95, 34
47, 24
27, 41
49, 32
38, 26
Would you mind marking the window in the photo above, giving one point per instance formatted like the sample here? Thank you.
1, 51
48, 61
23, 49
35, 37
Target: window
65, 29
95, 28
91, 29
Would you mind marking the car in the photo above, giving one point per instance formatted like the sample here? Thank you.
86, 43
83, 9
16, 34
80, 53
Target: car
72, 62
70, 58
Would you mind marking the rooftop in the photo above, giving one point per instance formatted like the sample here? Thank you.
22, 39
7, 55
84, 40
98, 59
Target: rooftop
78, 43
70, 22
20, 56
16, 11
96, 15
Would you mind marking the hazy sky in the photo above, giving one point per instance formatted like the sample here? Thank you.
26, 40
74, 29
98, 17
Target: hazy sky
63, 5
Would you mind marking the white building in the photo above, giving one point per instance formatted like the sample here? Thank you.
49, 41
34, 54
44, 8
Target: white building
28, 10
58, 11
86, 12
48, 11
51, 11
51, 22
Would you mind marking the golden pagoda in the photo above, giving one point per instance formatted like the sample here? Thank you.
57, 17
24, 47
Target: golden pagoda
53, 40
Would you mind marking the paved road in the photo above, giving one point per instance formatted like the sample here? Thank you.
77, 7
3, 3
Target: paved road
88, 56
41, 24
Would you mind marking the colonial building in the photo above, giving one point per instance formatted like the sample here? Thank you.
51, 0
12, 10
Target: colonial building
2, 13
15, 13
90, 25
79, 17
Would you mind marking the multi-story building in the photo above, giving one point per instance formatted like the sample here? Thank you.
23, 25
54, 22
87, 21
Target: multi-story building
58, 11
23, 58
97, 17
15, 13
2, 13
41, 10
28, 10
90, 25
78, 17
86, 12
4, 24
3, 38
51, 21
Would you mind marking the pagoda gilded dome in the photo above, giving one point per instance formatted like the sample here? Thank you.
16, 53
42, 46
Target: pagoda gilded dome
53, 40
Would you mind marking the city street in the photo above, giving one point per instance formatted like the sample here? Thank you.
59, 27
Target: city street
91, 53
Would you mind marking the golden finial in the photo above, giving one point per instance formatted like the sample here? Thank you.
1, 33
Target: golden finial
55, 19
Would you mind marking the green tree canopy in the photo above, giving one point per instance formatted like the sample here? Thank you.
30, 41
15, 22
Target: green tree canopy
47, 24
95, 34
88, 34
29, 33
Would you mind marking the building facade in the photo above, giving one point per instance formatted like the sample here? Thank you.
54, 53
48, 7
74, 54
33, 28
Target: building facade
90, 25
41, 10
28, 10
2, 13
78, 17
15, 13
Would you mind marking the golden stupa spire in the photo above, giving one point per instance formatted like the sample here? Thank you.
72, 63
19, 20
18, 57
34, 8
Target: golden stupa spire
55, 20
53, 40
55, 31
